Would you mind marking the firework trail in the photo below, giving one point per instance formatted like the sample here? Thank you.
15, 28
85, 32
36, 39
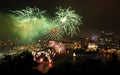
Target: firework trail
68, 20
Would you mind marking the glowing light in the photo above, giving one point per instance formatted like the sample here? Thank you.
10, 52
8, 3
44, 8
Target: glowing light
30, 23
54, 33
50, 65
58, 46
40, 55
68, 20
74, 54
29, 13
51, 44
41, 59
63, 20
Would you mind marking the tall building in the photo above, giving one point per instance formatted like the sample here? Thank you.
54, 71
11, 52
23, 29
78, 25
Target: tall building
105, 39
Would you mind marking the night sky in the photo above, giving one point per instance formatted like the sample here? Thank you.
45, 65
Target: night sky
96, 15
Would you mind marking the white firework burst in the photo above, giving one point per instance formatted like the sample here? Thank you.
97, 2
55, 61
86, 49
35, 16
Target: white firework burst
68, 20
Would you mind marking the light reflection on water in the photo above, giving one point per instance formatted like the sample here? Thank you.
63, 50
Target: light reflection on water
43, 67
46, 66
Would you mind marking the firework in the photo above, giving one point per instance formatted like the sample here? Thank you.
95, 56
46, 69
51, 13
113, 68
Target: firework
54, 32
58, 46
39, 56
68, 20
29, 13
30, 23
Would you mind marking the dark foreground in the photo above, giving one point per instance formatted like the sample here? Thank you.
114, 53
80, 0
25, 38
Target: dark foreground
23, 64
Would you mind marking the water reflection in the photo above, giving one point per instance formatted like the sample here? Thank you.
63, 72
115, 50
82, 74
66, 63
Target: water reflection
74, 60
82, 59
43, 67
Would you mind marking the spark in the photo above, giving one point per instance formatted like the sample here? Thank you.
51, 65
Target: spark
57, 46
29, 13
30, 23
68, 20
54, 33
40, 55
33, 24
